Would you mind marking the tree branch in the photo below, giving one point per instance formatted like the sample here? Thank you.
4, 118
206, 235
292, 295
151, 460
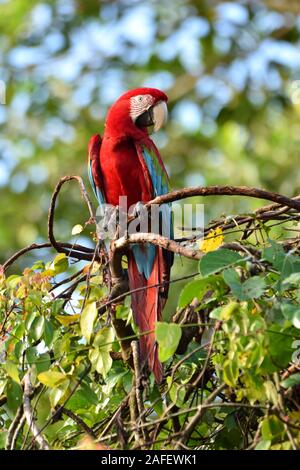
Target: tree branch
226, 191
28, 389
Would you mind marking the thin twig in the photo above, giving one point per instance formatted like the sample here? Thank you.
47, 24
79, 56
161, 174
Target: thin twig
13, 427
78, 421
28, 389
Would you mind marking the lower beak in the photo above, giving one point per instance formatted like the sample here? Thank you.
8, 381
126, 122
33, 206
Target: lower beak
155, 116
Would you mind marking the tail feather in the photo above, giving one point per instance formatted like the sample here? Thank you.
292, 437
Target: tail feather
147, 306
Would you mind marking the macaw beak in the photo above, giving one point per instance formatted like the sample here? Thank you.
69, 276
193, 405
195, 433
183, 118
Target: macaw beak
155, 116
160, 115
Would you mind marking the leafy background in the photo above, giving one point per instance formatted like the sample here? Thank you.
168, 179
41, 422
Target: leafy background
229, 69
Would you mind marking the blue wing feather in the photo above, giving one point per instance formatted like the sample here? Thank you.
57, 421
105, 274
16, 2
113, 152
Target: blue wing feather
145, 255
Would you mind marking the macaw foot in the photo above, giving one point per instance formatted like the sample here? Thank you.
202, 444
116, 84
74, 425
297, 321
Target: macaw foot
108, 222
137, 209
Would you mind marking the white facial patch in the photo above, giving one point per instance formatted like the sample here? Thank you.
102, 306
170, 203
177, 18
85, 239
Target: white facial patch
139, 104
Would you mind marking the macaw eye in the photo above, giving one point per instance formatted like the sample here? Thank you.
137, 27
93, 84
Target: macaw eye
140, 98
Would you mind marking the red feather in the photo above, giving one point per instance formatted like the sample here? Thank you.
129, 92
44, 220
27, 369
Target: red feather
122, 172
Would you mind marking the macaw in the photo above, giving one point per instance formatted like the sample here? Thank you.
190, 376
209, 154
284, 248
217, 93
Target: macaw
126, 162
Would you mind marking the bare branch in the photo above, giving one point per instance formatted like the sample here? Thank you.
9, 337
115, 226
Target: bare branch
28, 389
226, 191
197, 417
12, 431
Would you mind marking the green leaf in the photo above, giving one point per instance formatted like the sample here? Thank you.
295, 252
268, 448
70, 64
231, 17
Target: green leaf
43, 363
52, 378
177, 392
285, 263
29, 319
168, 336
80, 400
230, 372
272, 428
87, 320
292, 280
56, 394
194, 289
60, 263
100, 354
48, 333
271, 392
291, 312
31, 356
215, 261
38, 265
101, 361
291, 381
275, 254
13, 280
250, 289
104, 339
14, 394
12, 371
37, 328
253, 288
216, 313
228, 311
89, 394
263, 445
3, 437
279, 349
232, 279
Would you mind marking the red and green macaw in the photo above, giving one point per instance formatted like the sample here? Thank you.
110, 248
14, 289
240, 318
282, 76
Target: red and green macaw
126, 162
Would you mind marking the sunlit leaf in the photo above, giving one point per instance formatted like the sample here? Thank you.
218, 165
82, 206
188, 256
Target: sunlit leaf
67, 320
168, 336
12, 371
52, 378
87, 320
77, 229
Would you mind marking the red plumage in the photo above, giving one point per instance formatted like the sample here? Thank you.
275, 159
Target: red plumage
118, 169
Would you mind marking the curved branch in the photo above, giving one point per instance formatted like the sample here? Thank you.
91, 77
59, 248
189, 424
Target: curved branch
76, 251
15, 256
118, 246
226, 191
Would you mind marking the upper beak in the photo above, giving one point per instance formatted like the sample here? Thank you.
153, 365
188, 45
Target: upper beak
160, 115
155, 116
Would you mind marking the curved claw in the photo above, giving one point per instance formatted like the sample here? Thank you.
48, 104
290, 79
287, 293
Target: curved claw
138, 208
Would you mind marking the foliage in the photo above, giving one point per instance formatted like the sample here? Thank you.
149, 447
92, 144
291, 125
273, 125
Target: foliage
229, 69
249, 316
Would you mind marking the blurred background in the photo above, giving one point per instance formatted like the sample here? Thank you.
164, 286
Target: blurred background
231, 70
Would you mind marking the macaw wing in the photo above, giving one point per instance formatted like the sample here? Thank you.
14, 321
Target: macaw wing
154, 169
158, 183
94, 170
157, 178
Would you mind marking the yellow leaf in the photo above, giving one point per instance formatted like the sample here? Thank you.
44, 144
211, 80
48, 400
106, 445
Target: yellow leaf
66, 320
212, 241
52, 378
77, 229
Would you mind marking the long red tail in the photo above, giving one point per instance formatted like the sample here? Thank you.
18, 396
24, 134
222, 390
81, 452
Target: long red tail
147, 305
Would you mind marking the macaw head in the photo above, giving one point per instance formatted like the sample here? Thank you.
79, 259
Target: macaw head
137, 110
